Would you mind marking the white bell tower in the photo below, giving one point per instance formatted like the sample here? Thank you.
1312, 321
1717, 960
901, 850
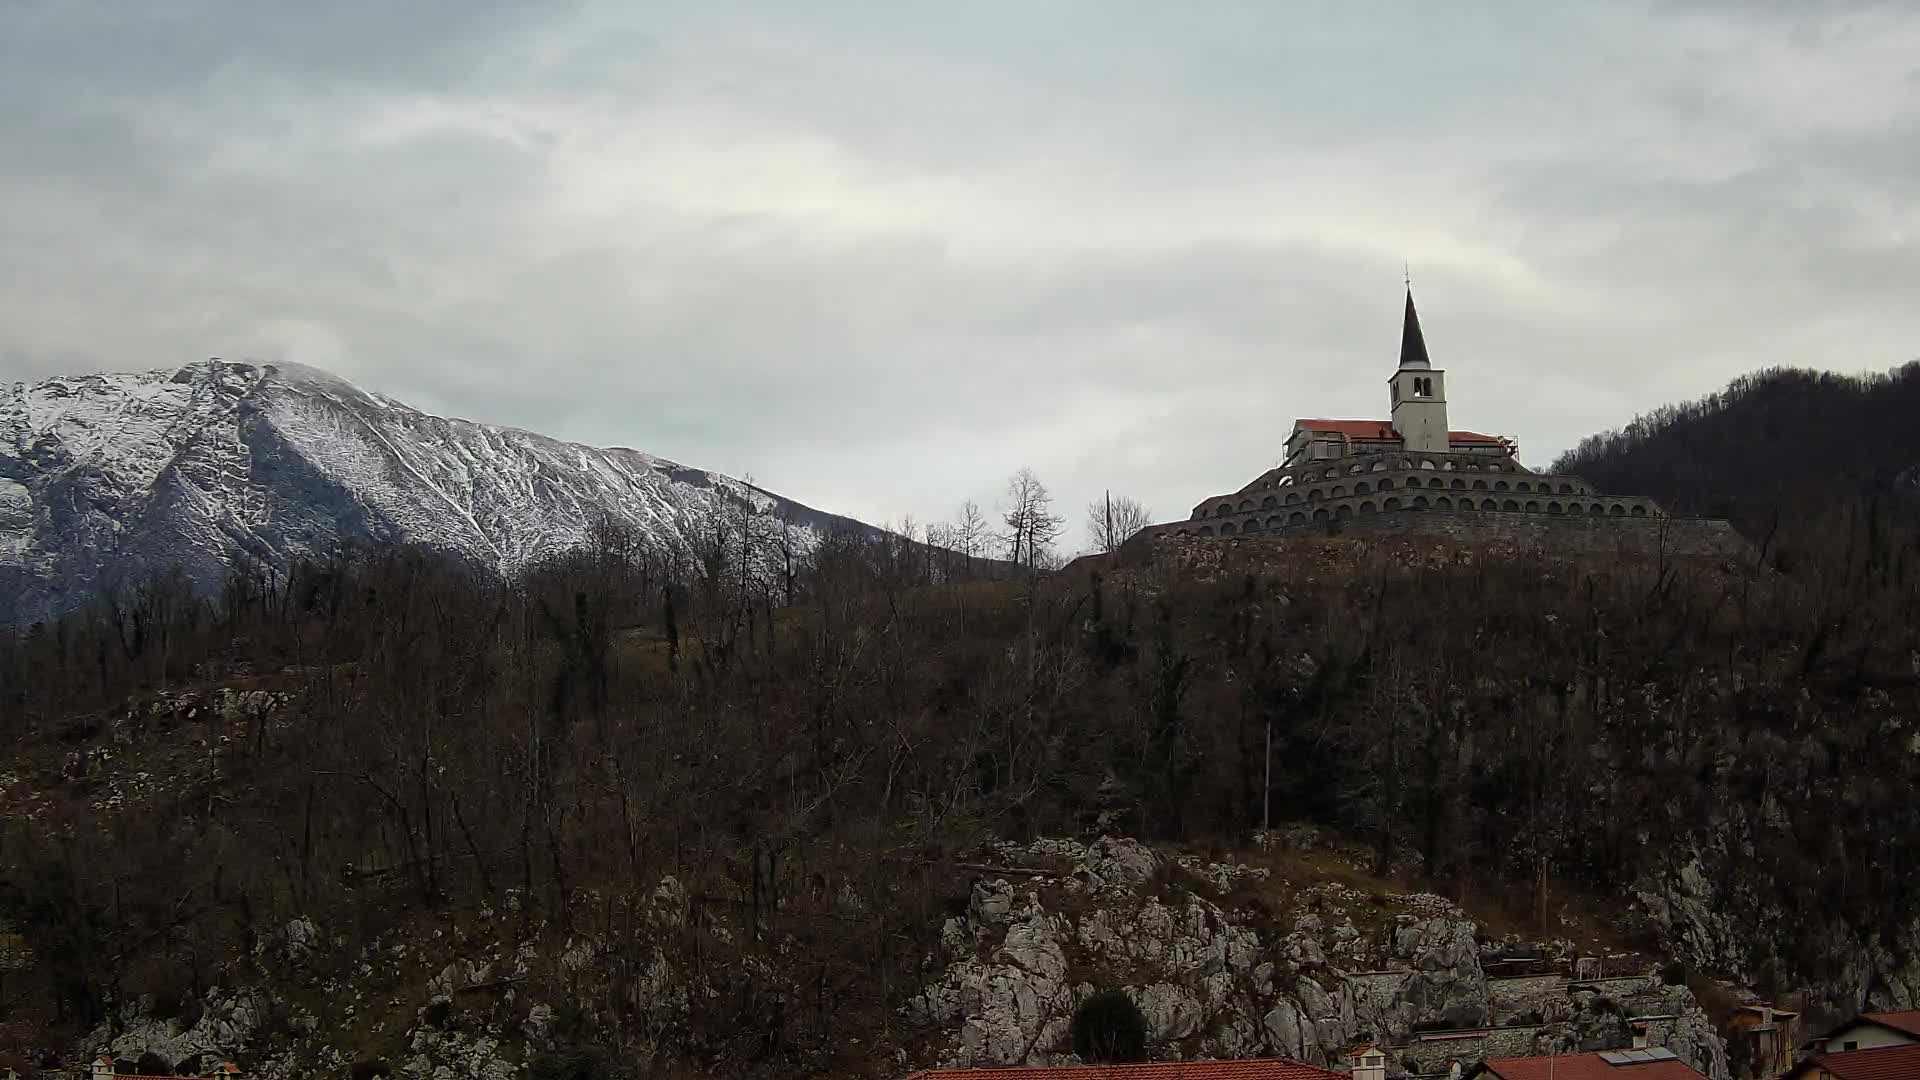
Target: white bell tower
1419, 391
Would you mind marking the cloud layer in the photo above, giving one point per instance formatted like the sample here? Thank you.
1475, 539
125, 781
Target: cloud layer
880, 255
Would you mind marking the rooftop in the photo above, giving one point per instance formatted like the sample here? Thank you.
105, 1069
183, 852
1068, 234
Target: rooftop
1265, 1069
1381, 430
1881, 1063
1907, 1020
1606, 1065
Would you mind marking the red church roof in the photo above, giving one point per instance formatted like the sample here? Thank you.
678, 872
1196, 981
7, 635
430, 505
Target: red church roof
1267, 1069
1352, 429
1382, 431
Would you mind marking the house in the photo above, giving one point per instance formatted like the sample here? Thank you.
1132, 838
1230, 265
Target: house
1869, 1031
1654, 1063
1264, 1069
1900, 1062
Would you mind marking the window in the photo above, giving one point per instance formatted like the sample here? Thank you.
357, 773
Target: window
1850, 1044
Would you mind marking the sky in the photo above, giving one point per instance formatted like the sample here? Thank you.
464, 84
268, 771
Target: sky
877, 256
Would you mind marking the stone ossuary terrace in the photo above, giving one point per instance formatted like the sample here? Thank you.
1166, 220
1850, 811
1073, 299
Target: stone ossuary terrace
1414, 474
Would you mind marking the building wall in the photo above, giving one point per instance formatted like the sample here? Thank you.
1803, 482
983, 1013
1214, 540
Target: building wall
1583, 532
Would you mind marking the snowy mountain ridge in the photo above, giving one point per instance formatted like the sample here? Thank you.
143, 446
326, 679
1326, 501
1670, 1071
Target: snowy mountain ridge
109, 477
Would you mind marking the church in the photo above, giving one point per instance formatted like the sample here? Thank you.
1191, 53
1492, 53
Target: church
1386, 475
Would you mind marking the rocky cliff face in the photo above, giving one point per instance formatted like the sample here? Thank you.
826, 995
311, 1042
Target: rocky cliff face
108, 478
1216, 978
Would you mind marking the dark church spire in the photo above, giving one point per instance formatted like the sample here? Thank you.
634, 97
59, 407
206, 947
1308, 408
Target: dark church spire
1413, 344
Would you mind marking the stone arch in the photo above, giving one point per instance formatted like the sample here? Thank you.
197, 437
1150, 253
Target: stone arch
1320, 514
1206, 530
1356, 469
1500, 485
1436, 482
1390, 504
1226, 528
1619, 510
1274, 522
1426, 463
1509, 505
1338, 491
1479, 485
1386, 483
1378, 466
1268, 503
1533, 507
1245, 505
1315, 495
1489, 504
1223, 510
1443, 503
1419, 502
1566, 489
1367, 507
1181, 532
1459, 484
1361, 488
1296, 518
1639, 511
1283, 481
1464, 504
1555, 508
1342, 512
1596, 510
1447, 465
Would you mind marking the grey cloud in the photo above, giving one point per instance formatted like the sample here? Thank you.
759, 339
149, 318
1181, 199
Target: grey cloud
878, 257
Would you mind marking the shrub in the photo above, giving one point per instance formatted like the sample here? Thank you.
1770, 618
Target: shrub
1108, 1027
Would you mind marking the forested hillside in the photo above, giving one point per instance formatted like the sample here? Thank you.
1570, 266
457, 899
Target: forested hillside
380, 753
1788, 451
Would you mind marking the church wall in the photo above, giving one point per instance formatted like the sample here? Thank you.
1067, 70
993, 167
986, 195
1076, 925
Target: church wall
1607, 534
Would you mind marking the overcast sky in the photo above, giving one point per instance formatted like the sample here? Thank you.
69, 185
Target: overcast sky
878, 255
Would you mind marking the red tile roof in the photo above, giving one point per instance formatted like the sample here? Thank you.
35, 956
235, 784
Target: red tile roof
1268, 1069
1382, 431
1881, 1063
1907, 1020
1352, 429
1586, 1067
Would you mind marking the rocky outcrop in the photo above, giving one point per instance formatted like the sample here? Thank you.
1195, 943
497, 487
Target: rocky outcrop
1331, 965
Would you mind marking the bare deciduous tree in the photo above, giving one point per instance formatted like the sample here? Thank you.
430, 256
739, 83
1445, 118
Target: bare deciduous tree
1032, 526
1114, 519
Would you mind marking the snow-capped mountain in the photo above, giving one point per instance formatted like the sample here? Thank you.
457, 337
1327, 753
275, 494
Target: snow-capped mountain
107, 478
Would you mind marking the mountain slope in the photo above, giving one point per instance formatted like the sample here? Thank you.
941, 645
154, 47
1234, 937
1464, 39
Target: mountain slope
107, 478
1783, 441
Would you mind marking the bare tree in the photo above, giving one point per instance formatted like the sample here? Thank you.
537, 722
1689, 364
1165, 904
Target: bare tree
1032, 526
1115, 518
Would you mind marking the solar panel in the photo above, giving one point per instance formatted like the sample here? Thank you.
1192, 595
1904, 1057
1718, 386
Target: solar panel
1661, 1053
1614, 1057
